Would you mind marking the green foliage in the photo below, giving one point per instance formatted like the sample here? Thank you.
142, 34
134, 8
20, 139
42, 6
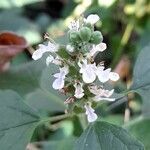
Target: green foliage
17, 122
105, 136
32, 81
140, 129
66, 144
141, 76
23, 79
15, 3
13, 21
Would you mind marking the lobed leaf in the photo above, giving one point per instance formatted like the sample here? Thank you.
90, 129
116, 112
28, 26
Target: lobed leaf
105, 136
141, 78
17, 122
140, 129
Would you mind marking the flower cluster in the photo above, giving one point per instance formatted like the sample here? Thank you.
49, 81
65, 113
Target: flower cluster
78, 72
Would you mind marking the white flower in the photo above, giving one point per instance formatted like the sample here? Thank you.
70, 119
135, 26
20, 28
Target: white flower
79, 92
50, 47
70, 48
104, 95
90, 112
98, 48
59, 82
74, 25
101, 94
92, 19
114, 76
51, 59
105, 75
88, 71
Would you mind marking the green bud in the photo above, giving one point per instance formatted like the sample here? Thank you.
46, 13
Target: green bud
74, 36
89, 26
85, 34
96, 37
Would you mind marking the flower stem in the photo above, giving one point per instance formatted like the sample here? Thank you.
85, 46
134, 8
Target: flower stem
55, 118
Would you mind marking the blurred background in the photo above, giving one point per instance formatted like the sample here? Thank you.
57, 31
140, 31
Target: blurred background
125, 25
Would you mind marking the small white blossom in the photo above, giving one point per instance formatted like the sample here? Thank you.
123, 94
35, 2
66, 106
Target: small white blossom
101, 94
59, 82
79, 92
50, 47
114, 76
49, 59
104, 95
90, 112
74, 25
70, 48
97, 48
92, 19
88, 71
105, 75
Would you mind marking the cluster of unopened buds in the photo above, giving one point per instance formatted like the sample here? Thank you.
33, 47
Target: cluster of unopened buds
78, 73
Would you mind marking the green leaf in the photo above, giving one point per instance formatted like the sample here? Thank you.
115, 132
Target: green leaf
17, 122
105, 136
34, 81
140, 128
66, 144
24, 78
12, 21
45, 101
15, 3
115, 119
141, 76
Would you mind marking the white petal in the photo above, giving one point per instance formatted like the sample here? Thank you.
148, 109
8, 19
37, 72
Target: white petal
57, 75
91, 116
103, 76
51, 47
93, 18
94, 89
79, 95
70, 48
88, 71
114, 76
49, 59
79, 92
88, 75
98, 98
58, 83
74, 25
65, 70
101, 47
37, 54
107, 93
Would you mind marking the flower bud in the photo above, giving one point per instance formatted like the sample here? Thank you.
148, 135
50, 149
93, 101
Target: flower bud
74, 36
96, 37
85, 34
91, 27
